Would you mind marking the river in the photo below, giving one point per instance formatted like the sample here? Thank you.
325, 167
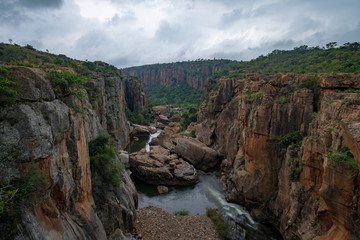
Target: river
196, 199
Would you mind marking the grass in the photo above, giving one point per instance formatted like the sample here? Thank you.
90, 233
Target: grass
181, 213
222, 227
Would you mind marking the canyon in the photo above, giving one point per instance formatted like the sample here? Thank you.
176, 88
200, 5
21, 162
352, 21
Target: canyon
280, 140
191, 73
288, 146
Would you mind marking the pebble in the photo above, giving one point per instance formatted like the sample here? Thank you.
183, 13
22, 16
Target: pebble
154, 223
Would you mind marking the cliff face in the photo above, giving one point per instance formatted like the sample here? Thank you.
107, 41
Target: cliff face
307, 187
52, 131
194, 74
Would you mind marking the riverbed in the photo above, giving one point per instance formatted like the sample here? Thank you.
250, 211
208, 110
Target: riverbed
196, 199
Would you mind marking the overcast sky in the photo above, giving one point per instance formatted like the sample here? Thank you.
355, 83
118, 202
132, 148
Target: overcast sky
136, 32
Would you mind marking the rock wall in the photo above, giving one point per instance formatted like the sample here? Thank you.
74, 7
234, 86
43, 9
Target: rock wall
194, 74
298, 188
48, 130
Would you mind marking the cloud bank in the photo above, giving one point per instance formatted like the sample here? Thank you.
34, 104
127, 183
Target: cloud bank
128, 33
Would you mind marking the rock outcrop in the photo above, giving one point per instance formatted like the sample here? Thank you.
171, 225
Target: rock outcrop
307, 187
50, 133
194, 74
160, 167
196, 152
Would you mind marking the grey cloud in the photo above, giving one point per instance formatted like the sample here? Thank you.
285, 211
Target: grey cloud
41, 3
233, 16
93, 39
174, 33
10, 14
127, 17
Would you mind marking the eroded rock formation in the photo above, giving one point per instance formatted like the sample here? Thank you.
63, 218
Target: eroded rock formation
160, 167
307, 189
194, 74
50, 131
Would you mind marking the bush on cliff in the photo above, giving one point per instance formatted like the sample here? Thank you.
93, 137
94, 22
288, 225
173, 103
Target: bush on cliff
105, 168
222, 227
343, 157
7, 94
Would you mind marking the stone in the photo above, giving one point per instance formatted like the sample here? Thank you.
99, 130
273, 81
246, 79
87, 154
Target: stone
32, 84
162, 189
196, 152
140, 130
160, 167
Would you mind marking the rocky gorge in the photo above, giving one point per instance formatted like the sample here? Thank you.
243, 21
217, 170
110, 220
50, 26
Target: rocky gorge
287, 145
291, 143
44, 142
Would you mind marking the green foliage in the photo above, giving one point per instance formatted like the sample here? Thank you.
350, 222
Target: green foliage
303, 59
222, 227
181, 213
311, 83
105, 168
295, 163
292, 138
344, 156
175, 95
253, 96
7, 94
28, 190
64, 82
188, 116
193, 133
136, 117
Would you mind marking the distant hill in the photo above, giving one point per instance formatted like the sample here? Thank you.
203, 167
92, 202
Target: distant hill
303, 59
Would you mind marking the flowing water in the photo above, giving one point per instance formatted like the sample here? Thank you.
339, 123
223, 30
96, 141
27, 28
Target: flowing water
196, 199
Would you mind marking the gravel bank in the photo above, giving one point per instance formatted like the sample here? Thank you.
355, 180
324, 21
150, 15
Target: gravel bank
154, 223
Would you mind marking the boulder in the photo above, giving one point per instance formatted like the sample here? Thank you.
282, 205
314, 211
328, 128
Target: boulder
31, 84
196, 152
162, 189
163, 119
161, 110
124, 158
162, 168
164, 138
176, 118
140, 130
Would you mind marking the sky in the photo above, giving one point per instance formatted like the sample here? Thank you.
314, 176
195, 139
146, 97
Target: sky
128, 33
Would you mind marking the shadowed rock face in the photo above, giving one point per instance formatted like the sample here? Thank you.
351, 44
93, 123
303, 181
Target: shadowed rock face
46, 130
299, 189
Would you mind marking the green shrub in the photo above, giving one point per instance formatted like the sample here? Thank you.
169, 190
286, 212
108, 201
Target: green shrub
253, 96
292, 138
181, 213
311, 83
104, 166
7, 94
193, 133
222, 227
65, 82
344, 156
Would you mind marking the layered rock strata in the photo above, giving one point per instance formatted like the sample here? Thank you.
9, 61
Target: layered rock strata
50, 131
308, 189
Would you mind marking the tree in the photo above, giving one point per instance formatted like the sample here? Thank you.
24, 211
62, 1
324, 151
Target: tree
10, 40
331, 45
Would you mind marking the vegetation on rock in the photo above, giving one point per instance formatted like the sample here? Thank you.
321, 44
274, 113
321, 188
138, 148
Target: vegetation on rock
222, 227
343, 157
105, 168
7, 94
